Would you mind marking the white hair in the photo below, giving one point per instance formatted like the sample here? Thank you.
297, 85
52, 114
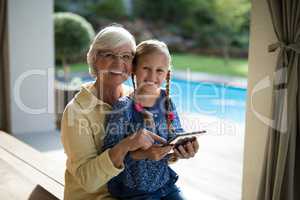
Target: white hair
110, 37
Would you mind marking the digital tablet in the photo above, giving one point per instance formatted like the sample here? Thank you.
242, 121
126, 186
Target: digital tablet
185, 135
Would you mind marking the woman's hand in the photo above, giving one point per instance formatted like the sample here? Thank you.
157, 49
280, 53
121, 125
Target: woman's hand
155, 152
143, 139
187, 149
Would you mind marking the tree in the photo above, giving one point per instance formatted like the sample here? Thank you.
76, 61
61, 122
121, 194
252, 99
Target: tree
111, 10
166, 11
73, 35
211, 24
230, 17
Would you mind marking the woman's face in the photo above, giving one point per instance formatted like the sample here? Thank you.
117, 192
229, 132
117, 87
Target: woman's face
151, 71
114, 66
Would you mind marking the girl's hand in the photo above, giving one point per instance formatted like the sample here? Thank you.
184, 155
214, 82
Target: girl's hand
155, 152
143, 139
187, 149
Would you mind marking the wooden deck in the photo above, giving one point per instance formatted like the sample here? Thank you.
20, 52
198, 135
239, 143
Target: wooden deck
25, 173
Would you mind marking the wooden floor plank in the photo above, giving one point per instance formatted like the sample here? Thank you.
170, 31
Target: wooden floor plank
29, 165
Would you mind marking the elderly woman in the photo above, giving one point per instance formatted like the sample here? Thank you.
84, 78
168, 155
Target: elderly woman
88, 169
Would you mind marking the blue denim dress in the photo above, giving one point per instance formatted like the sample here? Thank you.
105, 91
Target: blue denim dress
140, 178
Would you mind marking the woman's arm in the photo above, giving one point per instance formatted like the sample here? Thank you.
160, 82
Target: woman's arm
90, 170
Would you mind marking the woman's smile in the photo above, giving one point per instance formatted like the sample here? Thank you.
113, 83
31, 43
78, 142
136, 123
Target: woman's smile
149, 83
117, 72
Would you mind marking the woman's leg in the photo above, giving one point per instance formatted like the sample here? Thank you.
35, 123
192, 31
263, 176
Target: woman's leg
174, 195
144, 197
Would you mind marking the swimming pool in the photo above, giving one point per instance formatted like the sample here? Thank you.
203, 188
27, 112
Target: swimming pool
206, 98
214, 99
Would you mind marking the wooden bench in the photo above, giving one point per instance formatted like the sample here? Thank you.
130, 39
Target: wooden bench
26, 173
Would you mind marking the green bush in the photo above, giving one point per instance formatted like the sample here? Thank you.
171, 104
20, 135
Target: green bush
73, 35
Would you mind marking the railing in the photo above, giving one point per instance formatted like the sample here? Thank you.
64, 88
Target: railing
63, 94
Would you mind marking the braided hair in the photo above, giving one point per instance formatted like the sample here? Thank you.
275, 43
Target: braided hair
168, 104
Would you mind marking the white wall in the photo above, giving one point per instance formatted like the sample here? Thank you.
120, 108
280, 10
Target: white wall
31, 47
261, 66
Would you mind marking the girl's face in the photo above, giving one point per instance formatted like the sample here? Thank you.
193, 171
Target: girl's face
151, 71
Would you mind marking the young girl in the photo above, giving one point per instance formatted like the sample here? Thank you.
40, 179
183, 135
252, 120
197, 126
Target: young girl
149, 107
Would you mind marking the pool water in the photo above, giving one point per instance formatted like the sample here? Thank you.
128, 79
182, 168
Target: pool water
214, 99
206, 98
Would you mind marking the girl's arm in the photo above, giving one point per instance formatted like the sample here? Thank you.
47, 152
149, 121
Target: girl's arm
117, 129
156, 152
183, 151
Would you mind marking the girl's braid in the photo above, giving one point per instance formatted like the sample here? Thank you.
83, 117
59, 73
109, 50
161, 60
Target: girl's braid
167, 103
